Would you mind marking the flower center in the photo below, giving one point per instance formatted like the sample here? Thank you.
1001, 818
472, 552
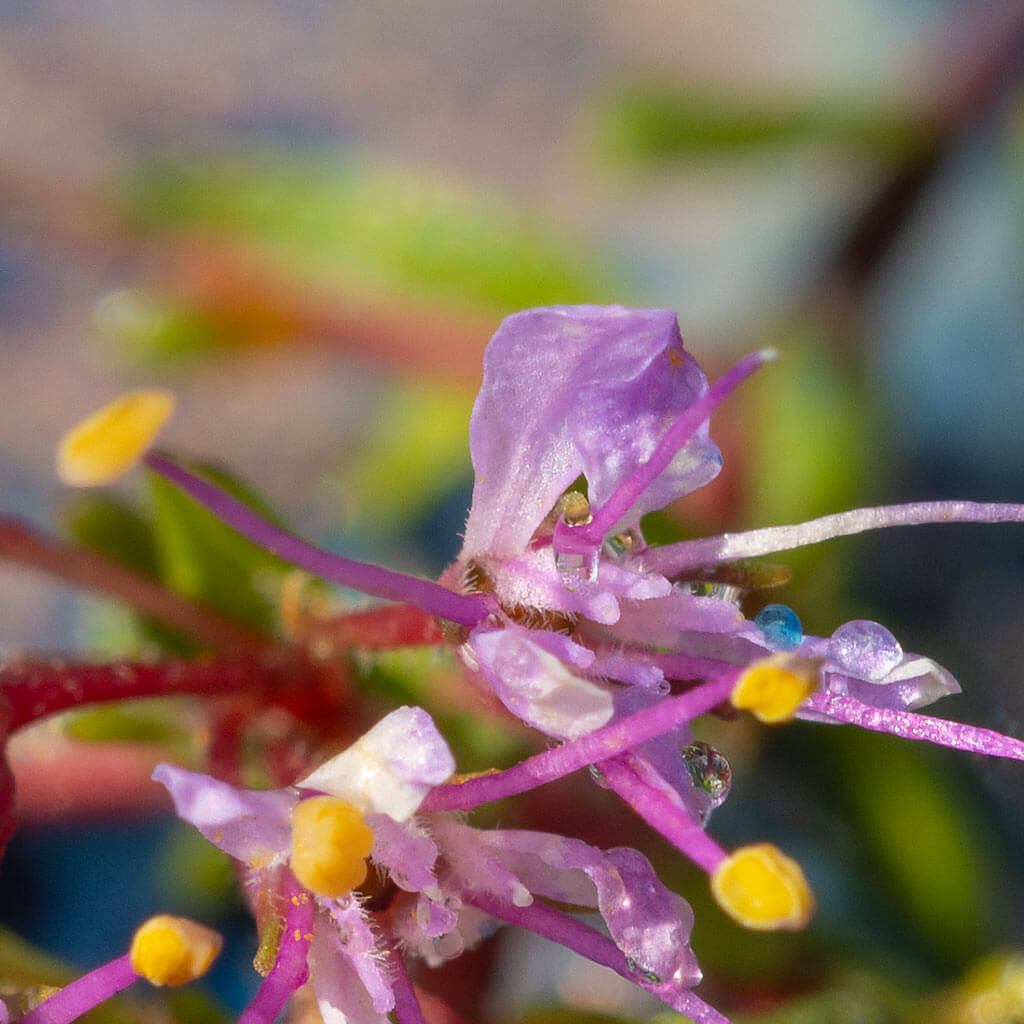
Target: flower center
762, 888
330, 844
477, 580
173, 950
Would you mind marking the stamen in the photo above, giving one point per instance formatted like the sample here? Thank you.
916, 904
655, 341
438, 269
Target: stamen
637, 784
763, 889
465, 609
597, 746
574, 934
774, 687
291, 965
83, 994
105, 445
676, 559
584, 538
165, 950
330, 844
173, 950
913, 726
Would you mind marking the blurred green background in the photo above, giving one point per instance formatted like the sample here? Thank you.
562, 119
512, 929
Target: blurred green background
307, 218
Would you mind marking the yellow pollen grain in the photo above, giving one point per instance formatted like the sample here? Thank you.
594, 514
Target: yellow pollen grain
774, 687
763, 889
574, 508
330, 844
105, 445
172, 951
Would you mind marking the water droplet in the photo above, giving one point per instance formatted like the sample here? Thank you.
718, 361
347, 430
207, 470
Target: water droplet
642, 972
865, 649
629, 542
598, 776
712, 588
780, 625
710, 774
574, 508
449, 946
575, 569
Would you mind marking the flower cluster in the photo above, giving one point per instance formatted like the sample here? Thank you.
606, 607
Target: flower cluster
588, 418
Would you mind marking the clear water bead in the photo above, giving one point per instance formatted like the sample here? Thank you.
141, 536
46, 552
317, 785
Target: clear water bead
629, 542
642, 972
576, 569
710, 774
710, 588
865, 649
780, 625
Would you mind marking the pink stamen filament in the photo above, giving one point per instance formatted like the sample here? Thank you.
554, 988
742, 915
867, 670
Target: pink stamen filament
912, 726
407, 1007
593, 748
661, 813
586, 538
567, 931
291, 967
465, 609
84, 993
676, 559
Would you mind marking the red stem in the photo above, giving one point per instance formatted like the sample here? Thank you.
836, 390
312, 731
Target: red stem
33, 689
24, 545
377, 629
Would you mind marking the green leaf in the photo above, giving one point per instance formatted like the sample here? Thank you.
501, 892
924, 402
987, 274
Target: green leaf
645, 123
416, 451
919, 827
857, 998
202, 558
155, 724
331, 221
110, 526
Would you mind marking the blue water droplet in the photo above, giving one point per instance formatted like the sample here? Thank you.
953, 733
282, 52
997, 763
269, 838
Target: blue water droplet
865, 649
780, 625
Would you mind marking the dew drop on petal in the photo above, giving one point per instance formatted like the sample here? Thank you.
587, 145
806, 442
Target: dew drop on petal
598, 776
710, 774
642, 972
865, 649
711, 588
629, 542
575, 568
780, 625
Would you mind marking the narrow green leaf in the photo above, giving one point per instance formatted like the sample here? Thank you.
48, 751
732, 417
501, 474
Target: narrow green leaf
202, 558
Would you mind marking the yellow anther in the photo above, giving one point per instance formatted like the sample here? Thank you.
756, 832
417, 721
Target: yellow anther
574, 508
763, 889
330, 844
173, 950
105, 445
774, 687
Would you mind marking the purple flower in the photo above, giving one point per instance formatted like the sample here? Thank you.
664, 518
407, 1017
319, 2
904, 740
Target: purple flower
582, 630
306, 849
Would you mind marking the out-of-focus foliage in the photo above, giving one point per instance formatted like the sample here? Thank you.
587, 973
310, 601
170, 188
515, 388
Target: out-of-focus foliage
645, 123
328, 219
